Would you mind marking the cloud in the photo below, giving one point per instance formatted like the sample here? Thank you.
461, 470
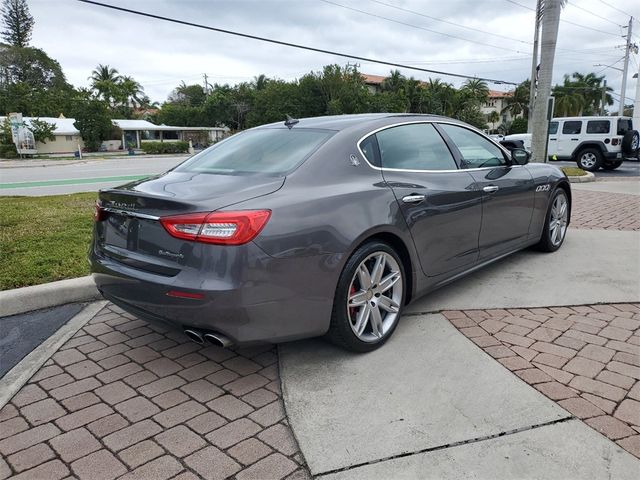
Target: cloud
160, 54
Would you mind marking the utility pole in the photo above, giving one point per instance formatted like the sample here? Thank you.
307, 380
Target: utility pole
627, 51
604, 97
534, 66
206, 84
548, 40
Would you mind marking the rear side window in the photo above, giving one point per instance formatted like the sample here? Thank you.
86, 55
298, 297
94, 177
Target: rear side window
414, 147
476, 150
598, 126
273, 151
624, 125
369, 148
553, 128
572, 127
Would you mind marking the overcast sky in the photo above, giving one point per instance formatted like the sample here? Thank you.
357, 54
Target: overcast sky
160, 55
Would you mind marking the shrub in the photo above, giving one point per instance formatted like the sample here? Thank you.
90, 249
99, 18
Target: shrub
165, 147
519, 125
8, 151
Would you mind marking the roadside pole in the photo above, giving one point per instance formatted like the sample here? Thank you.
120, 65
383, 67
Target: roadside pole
604, 97
625, 68
534, 67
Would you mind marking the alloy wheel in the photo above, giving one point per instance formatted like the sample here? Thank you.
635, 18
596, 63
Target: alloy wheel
558, 219
588, 160
375, 296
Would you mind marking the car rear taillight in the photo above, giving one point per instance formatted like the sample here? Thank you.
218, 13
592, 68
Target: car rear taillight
223, 228
100, 214
615, 141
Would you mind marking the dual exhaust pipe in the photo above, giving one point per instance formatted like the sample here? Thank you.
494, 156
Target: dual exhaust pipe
213, 338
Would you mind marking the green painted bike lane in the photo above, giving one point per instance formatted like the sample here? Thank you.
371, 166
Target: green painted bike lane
70, 181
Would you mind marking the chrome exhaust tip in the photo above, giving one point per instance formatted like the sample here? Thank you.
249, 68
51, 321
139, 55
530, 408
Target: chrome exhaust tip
218, 339
194, 336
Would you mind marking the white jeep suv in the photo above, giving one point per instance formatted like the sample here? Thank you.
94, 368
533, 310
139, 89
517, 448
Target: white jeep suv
592, 142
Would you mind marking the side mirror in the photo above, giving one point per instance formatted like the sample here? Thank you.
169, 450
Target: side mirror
519, 156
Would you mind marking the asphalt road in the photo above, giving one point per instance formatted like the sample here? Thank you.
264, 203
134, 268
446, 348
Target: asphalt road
629, 168
54, 177
20, 334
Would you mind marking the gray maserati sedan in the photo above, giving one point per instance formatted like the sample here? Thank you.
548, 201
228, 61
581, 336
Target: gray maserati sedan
320, 226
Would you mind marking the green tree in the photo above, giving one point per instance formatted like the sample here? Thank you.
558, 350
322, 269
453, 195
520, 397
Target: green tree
493, 117
191, 95
130, 91
519, 125
42, 131
104, 81
518, 102
475, 90
94, 122
18, 22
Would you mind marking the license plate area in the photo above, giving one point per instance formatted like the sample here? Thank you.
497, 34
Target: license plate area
122, 231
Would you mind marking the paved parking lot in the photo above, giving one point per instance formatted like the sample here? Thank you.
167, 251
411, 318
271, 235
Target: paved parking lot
126, 399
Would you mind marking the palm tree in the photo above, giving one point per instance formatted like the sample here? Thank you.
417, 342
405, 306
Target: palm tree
131, 91
492, 118
104, 80
476, 89
394, 82
550, 21
519, 102
260, 82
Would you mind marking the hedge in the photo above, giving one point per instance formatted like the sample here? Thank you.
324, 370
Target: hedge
8, 151
165, 147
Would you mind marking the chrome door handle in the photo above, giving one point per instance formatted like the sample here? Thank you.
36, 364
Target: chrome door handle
413, 198
491, 188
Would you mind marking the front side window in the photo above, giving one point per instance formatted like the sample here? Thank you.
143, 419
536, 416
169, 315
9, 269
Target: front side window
598, 126
416, 146
553, 128
272, 151
476, 150
572, 127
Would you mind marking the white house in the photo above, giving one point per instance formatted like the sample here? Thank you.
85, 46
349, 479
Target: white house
498, 102
67, 138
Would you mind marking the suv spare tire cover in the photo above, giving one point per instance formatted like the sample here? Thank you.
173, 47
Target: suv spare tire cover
630, 138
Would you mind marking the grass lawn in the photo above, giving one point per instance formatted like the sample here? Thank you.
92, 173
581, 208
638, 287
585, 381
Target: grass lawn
43, 239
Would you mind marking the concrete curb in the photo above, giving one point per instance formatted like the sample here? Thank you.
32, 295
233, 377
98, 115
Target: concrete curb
15, 378
589, 177
27, 299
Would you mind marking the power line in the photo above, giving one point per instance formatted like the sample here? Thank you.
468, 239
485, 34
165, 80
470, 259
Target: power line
292, 45
594, 14
450, 23
567, 21
615, 8
418, 27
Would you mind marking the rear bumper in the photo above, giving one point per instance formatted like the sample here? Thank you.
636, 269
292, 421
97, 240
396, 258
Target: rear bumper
245, 294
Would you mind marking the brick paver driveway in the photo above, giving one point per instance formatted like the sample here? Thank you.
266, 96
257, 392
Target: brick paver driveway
126, 399
587, 358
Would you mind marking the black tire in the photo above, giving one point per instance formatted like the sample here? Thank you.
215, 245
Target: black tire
546, 243
612, 165
340, 331
630, 142
589, 159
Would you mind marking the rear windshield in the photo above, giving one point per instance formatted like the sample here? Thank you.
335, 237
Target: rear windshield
273, 151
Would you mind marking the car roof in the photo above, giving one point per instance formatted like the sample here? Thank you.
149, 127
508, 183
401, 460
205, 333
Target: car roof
343, 122
593, 117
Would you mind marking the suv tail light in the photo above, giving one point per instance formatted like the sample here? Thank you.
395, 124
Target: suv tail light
222, 228
615, 141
